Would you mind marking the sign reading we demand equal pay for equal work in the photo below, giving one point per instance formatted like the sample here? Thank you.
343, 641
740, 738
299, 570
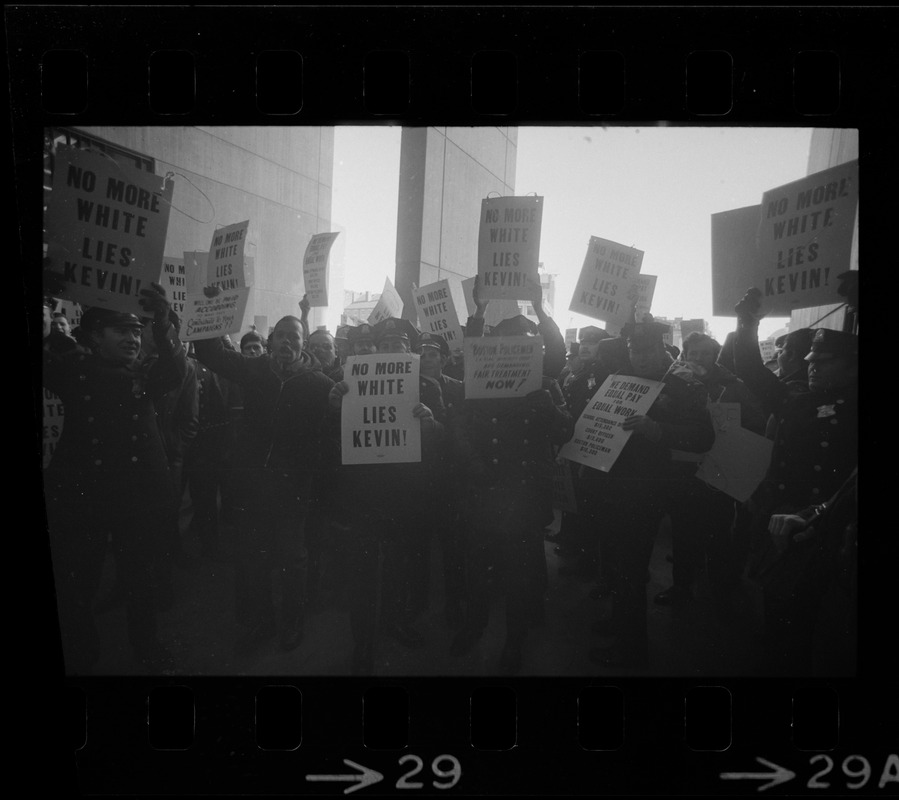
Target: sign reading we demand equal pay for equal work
598, 437
376, 422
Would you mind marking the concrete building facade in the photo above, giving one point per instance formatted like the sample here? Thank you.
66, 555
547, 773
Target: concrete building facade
278, 178
445, 172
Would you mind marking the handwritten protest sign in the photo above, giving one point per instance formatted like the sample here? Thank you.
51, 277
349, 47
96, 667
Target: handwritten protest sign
389, 304
496, 311
315, 268
377, 426
261, 323
225, 260
570, 336
211, 317
645, 289
607, 285
437, 312
174, 281
739, 459
563, 487
502, 366
805, 238
195, 268
509, 245
53, 420
106, 225
598, 436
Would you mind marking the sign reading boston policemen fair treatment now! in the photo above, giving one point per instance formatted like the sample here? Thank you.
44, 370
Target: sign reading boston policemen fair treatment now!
376, 422
509, 246
608, 284
598, 437
502, 366
315, 268
106, 227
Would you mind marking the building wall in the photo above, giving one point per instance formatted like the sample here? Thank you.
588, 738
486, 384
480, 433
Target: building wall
280, 178
445, 172
829, 147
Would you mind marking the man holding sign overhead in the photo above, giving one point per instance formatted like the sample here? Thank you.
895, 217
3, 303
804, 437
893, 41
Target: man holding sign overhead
280, 444
506, 443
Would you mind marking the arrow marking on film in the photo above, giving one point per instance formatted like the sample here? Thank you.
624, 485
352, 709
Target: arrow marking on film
367, 778
780, 775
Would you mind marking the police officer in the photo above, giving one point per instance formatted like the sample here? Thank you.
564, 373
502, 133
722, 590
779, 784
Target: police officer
444, 512
815, 451
109, 478
506, 448
629, 500
385, 505
285, 414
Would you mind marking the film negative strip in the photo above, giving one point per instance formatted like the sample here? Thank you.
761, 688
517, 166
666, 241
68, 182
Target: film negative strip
698, 720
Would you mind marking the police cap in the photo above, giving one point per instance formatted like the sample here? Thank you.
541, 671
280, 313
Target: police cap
591, 334
833, 344
96, 318
515, 326
359, 333
393, 327
645, 335
433, 340
798, 341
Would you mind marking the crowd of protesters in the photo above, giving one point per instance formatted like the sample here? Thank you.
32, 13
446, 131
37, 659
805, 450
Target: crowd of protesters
251, 432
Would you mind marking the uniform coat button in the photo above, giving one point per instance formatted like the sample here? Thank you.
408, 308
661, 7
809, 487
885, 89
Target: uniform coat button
493, 420
781, 487
817, 467
135, 417
496, 441
134, 458
524, 463
98, 462
496, 461
824, 444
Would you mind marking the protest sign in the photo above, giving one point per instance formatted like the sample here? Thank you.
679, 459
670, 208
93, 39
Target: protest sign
211, 317
376, 422
598, 436
767, 349
106, 225
564, 497
389, 304
688, 326
646, 288
225, 260
570, 336
53, 420
174, 281
195, 269
735, 264
739, 458
502, 366
509, 246
607, 286
805, 238
261, 323
315, 268
496, 311
72, 311
437, 312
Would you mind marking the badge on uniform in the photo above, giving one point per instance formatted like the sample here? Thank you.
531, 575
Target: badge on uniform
826, 411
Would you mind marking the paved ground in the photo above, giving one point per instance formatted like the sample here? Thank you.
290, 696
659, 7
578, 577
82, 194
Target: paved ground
200, 630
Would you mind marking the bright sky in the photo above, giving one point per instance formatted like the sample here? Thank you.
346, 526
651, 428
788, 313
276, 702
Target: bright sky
653, 188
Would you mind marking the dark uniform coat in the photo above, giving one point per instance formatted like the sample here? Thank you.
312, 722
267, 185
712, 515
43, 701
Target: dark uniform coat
506, 448
111, 452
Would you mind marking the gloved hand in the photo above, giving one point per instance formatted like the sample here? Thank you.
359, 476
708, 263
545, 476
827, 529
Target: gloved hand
155, 303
